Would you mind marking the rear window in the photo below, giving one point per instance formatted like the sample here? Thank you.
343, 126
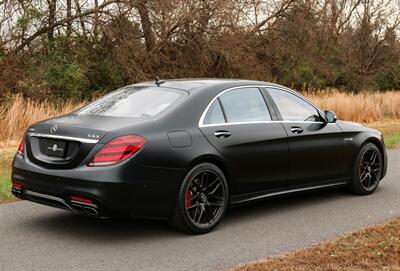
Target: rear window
134, 102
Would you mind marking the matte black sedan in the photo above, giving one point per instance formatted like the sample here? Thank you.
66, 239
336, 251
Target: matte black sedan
185, 150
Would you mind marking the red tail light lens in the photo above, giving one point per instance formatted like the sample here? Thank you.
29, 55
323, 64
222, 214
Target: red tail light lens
21, 147
117, 150
17, 185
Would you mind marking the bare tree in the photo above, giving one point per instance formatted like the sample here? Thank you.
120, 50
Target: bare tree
143, 10
51, 19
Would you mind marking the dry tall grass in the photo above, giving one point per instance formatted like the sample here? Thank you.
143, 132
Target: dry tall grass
18, 114
364, 107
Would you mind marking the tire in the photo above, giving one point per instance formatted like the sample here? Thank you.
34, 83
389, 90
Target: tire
201, 202
367, 171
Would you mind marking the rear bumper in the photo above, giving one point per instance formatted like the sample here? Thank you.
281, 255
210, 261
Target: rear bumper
127, 189
80, 208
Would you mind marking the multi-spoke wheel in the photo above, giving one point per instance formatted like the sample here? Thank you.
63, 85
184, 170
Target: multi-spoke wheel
202, 199
368, 170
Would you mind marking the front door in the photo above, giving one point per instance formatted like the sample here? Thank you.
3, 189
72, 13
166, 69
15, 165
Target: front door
315, 146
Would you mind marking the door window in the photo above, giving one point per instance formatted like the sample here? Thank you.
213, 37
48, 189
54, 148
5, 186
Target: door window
244, 105
293, 108
214, 114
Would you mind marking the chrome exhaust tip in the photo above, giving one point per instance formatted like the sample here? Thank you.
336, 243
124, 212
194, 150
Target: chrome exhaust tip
85, 209
91, 211
78, 209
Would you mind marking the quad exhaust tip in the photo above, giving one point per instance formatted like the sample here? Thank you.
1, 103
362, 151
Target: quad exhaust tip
85, 210
84, 206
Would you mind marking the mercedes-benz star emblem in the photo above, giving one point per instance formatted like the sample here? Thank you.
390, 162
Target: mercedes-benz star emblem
53, 129
203, 198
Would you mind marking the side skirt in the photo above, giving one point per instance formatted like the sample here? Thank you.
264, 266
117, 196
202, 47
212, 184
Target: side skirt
241, 199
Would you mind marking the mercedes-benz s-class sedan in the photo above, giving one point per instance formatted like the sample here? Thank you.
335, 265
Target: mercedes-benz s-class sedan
185, 150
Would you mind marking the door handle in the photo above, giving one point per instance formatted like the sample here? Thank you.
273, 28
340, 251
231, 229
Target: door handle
296, 130
222, 134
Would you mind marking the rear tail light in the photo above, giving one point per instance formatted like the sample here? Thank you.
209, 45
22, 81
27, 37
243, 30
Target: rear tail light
21, 147
17, 185
117, 150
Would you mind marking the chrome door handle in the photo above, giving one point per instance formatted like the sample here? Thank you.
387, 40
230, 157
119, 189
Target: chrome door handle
222, 134
296, 130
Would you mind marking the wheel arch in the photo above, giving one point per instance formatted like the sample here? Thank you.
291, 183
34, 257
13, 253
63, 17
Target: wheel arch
217, 161
378, 143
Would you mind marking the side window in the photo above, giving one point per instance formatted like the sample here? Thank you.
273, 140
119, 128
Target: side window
244, 105
293, 108
214, 114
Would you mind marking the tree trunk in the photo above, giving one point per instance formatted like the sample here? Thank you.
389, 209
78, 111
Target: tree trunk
51, 19
96, 20
69, 14
143, 10
81, 18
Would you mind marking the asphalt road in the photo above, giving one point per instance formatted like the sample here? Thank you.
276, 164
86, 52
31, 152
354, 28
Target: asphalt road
35, 237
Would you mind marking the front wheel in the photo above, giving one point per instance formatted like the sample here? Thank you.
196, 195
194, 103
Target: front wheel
367, 171
202, 199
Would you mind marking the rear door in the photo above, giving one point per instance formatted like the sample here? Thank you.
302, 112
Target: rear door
315, 146
240, 125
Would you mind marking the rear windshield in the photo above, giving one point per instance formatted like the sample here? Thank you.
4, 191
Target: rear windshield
134, 102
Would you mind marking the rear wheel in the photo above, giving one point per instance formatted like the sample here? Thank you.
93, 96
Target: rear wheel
367, 171
202, 199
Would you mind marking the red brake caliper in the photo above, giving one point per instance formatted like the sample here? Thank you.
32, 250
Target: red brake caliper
189, 196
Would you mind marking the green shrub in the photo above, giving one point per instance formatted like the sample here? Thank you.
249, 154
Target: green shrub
104, 75
389, 78
302, 74
66, 79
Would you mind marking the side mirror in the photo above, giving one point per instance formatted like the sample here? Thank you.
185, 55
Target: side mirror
330, 116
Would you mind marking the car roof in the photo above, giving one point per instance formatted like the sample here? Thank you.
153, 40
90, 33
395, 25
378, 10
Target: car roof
193, 84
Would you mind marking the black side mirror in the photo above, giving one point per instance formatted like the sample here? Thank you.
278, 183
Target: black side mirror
330, 116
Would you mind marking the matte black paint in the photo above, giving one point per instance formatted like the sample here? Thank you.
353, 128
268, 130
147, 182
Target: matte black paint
258, 159
256, 155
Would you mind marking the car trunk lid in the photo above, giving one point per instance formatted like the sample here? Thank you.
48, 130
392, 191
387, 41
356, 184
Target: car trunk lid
64, 142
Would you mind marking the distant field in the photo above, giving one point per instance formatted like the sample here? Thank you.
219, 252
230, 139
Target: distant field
364, 107
19, 113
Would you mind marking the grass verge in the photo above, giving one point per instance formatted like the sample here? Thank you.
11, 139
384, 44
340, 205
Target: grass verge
6, 154
373, 248
391, 132
5, 186
392, 140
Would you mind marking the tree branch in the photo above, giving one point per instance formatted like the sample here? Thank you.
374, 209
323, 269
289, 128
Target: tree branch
45, 29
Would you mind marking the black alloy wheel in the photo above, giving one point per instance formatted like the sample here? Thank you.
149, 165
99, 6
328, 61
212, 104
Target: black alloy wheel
368, 170
202, 199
